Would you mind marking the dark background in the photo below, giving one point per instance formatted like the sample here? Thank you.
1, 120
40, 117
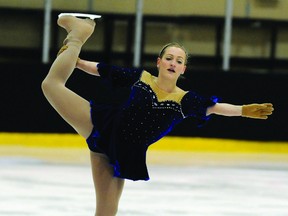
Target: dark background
25, 109
250, 79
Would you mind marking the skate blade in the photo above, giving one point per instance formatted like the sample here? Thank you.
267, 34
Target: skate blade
90, 16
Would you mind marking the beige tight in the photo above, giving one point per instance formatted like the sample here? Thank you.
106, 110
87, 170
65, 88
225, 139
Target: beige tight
76, 111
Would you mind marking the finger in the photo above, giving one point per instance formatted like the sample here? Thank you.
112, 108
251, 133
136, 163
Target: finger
268, 105
260, 106
267, 110
266, 113
263, 117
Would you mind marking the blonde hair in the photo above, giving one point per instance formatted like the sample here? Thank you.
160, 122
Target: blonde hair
174, 44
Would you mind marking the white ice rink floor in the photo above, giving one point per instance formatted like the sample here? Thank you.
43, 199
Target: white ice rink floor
35, 187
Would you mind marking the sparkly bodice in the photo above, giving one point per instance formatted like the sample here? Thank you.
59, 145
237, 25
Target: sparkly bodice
145, 118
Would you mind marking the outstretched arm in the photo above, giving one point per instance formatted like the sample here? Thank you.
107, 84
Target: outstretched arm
89, 67
256, 111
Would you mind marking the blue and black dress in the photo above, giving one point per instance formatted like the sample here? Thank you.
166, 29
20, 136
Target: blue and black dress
125, 132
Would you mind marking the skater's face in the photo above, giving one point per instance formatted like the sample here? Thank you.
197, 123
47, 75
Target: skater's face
172, 63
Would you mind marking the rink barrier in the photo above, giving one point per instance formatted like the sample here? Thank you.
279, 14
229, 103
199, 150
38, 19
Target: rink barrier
193, 144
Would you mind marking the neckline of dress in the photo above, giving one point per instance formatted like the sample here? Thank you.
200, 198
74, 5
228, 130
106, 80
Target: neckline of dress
160, 89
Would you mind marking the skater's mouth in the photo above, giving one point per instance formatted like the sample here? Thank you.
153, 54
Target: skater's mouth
171, 70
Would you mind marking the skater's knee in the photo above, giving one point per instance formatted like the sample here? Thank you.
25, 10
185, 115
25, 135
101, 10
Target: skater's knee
45, 85
48, 85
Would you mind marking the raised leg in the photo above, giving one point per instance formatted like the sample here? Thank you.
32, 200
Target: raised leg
73, 108
108, 189
76, 111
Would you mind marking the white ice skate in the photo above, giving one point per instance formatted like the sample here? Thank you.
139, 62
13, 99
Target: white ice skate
81, 15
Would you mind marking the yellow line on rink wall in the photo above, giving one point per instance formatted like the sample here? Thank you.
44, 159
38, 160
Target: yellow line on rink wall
219, 145
49, 140
166, 144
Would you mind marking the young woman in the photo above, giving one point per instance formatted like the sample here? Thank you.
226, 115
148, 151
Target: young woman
118, 136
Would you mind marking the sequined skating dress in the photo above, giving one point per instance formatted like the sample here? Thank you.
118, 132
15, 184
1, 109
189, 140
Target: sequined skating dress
125, 132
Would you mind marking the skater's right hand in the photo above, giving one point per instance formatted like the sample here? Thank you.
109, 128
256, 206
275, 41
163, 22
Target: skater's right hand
257, 111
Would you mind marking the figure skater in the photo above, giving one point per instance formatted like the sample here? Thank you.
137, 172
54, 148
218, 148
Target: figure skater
119, 136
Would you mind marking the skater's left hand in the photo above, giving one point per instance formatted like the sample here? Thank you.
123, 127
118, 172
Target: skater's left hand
257, 111
62, 49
